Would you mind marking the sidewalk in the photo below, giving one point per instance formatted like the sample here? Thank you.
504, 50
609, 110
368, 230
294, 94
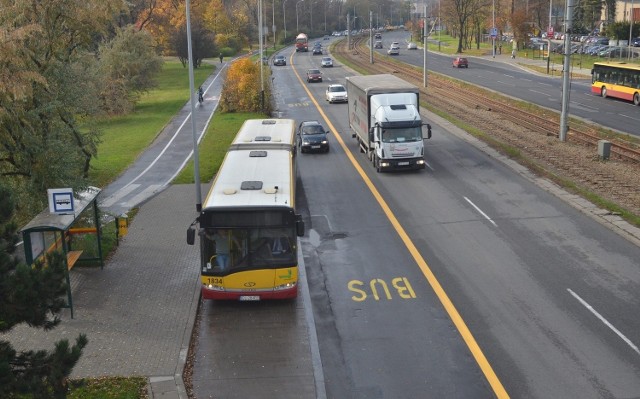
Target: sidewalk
522, 62
139, 311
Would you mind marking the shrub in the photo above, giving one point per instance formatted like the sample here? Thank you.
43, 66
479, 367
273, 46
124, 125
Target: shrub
242, 91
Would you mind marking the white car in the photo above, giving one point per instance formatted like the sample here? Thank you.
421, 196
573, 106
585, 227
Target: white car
412, 46
326, 62
336, 93
394, 50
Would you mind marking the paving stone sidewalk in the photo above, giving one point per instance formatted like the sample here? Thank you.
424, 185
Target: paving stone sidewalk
138, 312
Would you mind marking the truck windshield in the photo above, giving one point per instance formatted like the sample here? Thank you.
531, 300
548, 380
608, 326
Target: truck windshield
402, 134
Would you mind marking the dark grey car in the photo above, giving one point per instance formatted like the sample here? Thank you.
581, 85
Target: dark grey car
312, 137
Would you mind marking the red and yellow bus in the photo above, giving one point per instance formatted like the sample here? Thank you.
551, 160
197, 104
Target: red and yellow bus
248, 226
302, 42
616, 79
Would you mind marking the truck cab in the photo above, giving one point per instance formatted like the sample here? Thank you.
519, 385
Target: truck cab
396, 132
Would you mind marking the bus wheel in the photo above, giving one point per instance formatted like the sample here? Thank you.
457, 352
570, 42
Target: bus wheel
603, 92
636, 99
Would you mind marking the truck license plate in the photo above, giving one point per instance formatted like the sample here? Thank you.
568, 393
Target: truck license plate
403, 163
249, 298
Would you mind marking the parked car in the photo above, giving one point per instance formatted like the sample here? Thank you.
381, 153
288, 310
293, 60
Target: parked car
394, 50
635, 42
279, 60
326, 62
460, 62
317, 51
312, 137
314, 75
377, 44
412, 46
336, 93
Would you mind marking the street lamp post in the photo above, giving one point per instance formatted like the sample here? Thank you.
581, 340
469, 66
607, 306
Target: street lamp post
630, 31
284, 20
196, 161
297, 28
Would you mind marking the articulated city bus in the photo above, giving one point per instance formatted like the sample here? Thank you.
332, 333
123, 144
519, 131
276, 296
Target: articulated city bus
248, 226
616, 79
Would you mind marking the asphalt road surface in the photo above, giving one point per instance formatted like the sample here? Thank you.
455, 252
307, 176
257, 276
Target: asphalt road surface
466, 280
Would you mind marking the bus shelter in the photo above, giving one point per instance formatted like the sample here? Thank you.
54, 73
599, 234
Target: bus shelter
49, 232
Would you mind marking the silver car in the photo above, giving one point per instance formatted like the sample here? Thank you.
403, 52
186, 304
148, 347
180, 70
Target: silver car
336, 93
326, 62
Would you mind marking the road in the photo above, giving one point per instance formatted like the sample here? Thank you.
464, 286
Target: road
549, 295
520, 83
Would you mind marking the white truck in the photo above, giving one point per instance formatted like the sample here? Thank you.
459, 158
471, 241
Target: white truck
385, 118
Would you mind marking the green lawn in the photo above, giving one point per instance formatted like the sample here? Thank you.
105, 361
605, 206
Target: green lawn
221, 131
125, 137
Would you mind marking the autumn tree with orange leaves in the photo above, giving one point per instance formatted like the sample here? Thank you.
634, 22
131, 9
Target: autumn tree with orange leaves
242, 90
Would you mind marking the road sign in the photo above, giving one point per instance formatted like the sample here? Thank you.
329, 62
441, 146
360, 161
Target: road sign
493, 33
550, 32
61, 201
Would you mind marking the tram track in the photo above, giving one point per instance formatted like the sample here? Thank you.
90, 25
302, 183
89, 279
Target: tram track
532, 131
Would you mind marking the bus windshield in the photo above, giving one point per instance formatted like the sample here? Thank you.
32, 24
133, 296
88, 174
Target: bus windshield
232, 250
401, 135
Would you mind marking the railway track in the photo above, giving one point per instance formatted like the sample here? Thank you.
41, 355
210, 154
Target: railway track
534, 132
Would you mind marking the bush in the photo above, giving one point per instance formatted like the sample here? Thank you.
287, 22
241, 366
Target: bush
242, 91
228, 51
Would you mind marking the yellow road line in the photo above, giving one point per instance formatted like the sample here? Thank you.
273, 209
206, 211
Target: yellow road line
457, 320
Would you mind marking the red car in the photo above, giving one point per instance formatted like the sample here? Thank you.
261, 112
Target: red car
314, 75
460, 62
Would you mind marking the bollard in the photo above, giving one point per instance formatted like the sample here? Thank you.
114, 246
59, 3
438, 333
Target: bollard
123, 225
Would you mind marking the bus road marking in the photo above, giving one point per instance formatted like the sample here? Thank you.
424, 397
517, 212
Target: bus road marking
480, 211
401, 284
449, 307
605, 321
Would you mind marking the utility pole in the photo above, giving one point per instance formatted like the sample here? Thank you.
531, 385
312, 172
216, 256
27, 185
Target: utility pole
284, 20
260, 43
196, 161
564, 115
370, 36
424, 63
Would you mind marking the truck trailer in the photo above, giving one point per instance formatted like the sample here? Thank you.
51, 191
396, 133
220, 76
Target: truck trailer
385, 118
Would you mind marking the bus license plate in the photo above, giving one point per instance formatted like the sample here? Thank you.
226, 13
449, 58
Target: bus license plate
403, 163
249, 298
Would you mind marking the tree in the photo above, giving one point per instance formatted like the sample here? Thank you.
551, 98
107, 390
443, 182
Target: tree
202, 44
127, 66
46, 92
241, 91
31, 295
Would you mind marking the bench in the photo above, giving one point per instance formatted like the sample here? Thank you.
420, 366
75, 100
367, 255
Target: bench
72, 258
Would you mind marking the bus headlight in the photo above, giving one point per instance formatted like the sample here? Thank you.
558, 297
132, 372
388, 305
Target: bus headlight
213, 287
286, 286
